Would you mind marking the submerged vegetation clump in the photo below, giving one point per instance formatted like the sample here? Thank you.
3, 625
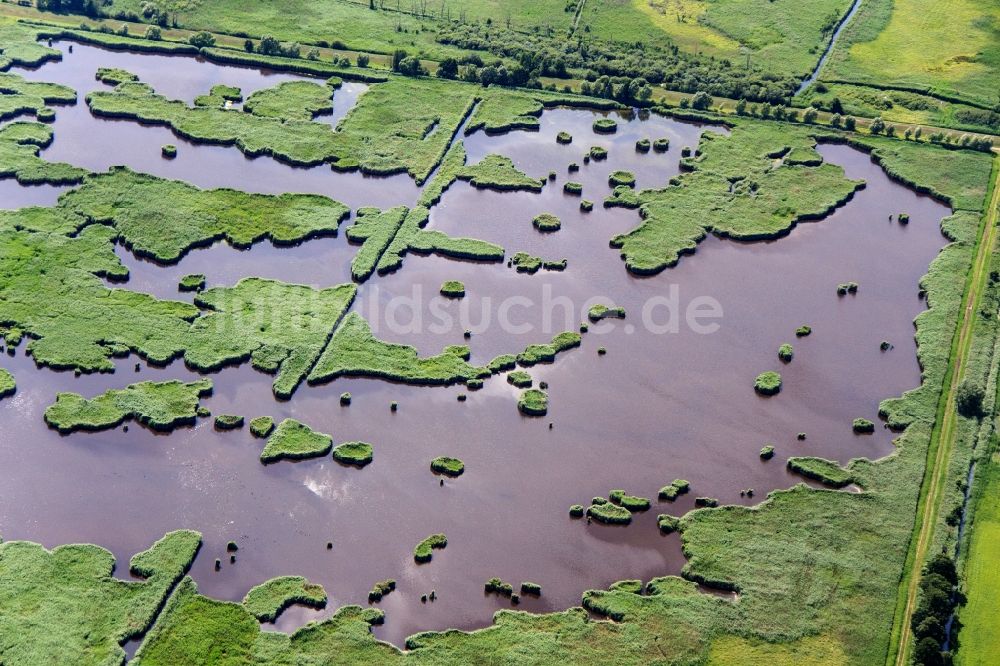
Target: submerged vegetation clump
600, 311
519, 378
767, 383
564, 137
381, 589
598, 153
192, 282
642, 146
630, 502
294, 440
228, 421
424, 550
447, 466
661, 145
610, 514
667, 523
572, 187
863, 426
621, 177
605, 126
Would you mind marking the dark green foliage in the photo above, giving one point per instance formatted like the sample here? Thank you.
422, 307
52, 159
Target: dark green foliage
863, 426
706, 502
767, 383
969, 398
661, 145
767, 452
571, 187
497, 586
630, 502
380, 589
228, 421
345, 398
667, 523
586, 205
598, 153
447, 466
528, 587
424, 550
845, 288
605, 126
519, 378
576, 511
291, 100
803, 331
642, 146
786, 352
600, 311
192, 282
357, 454
564, 137
620, 177
157, 405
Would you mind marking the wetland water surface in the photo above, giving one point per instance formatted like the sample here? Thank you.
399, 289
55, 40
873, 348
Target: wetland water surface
656, 407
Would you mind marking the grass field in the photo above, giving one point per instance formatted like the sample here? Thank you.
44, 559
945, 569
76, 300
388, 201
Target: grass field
949, 48
781, 35
978, 639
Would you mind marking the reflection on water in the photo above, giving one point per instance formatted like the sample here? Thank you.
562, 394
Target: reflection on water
654, 408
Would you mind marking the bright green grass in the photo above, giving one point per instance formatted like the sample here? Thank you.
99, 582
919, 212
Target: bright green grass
216, 98
374, 229
425, 549
65, 606
20, 143
353, 351
7, 383
291, 100
267, 600
358, 454
261, 426
533, 402
767, 383
825, 471
783, 35
413, 237
948, 48
112, 76
601, 311
453, 289
280, 328
19, 46
497, 172
519, 378
158, 405
192, 282
294, 440
734, 189
164, 219
447, 466
978, 638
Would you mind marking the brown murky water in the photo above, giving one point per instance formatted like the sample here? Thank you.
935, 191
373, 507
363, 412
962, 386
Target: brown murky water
655, 408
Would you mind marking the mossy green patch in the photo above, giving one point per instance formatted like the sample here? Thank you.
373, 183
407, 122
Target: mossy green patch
676, 487
767, 383
519, 378
20, 145
610, 514
453, 289
424, 550
267, 600
546, 222
157, 405
497, 172
630, 502
375, 230
447, 466
65, 605
291, 100
786, 352
192, 282
380, 589
737, 187
605, 126
546, 353
621, 177
280, 328
228, 421
825, 471
7, 384
294, 440
357, 454
533, 402
261, 426
601, 311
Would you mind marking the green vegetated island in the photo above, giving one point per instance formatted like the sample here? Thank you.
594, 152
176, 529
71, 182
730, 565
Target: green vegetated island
813, 580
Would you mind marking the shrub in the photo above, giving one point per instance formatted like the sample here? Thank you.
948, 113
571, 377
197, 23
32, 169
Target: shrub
786, 352
642, 146
497, 586
706, 502
850, 123
903, 218
701, 101
380, 589
228, 421
202, 40
573, 167
863, 426
362, 60
969, 399
447, 466
767, 383
528, 587
572, 187
661, 145
453, 289
605, 126
564, 138
809, 116
547, 222
686, 151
